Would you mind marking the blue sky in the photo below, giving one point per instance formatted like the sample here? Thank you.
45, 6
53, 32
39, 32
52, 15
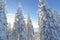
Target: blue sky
30, 6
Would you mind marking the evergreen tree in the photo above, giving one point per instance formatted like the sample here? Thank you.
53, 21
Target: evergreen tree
49, 29
30, 30
10, 32
3, 20
20, 25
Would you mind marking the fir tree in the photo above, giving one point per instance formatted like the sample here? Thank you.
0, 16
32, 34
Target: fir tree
3, 20
49, 29
10, 32
30, 30
20, 24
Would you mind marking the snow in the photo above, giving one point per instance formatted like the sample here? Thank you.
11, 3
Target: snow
20, 25
48, 23
30, 29
3, 21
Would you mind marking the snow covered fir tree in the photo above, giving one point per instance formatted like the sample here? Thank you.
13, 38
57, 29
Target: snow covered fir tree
37, 36
11, 35
20, 25
49, 27
30, 29
23, 29
3, 20
9, 32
